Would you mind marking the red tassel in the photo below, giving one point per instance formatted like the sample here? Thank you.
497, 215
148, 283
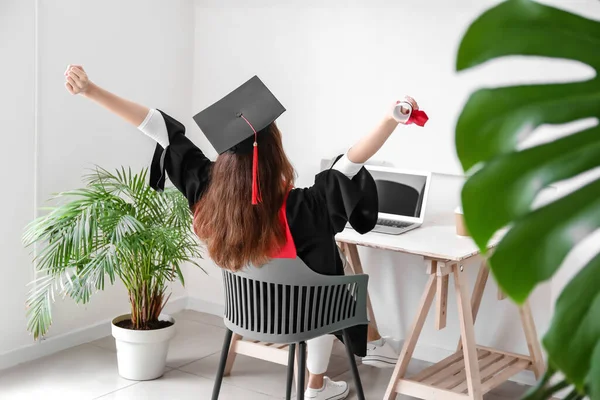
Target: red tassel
255, 189
256, 198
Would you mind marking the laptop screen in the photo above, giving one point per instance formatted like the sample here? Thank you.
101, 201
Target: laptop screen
399, 193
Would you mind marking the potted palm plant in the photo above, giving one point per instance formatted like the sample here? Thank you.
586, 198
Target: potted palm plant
115, 227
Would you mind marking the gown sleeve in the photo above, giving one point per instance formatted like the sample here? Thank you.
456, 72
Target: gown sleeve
347, 200
188, 168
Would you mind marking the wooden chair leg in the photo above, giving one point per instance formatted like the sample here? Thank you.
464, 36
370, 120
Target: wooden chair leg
360, 394
290, 372
222, 362
232, 354
465, 315
411, 340
480, 282
351, 252
301, 368
533, 343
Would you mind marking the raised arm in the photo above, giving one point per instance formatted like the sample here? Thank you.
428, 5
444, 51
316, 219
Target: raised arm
175, 155
77, 82
366, 147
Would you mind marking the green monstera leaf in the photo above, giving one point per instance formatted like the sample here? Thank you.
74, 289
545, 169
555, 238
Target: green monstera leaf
506, 180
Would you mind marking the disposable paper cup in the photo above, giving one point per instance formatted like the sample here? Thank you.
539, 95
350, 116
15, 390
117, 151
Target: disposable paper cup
461, 228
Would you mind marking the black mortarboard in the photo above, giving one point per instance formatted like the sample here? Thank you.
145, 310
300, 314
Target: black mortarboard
231, 122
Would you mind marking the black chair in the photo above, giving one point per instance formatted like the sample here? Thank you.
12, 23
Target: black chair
285, 302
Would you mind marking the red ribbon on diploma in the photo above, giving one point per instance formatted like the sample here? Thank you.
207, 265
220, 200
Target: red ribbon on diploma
417, 117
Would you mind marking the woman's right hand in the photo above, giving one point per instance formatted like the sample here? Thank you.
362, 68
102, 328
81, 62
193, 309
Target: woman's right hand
77, 80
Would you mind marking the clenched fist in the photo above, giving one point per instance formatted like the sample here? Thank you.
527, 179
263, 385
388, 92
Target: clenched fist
76, 79
406, 107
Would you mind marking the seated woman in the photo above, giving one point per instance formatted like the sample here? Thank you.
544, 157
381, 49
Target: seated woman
246, 209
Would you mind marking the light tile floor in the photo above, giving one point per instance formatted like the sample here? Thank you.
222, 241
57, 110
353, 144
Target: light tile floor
89, 371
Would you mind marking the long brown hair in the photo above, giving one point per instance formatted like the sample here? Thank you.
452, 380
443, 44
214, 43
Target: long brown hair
236, 232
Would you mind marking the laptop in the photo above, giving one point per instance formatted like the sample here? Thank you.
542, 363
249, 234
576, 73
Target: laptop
402, 198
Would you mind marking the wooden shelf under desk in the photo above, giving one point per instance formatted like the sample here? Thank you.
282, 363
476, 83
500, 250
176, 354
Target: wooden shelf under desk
447, 379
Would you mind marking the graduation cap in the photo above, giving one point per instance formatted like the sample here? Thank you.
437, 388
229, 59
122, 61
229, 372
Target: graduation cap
232, 123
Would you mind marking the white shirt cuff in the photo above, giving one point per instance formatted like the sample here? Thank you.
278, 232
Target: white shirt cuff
347, 167
155, 127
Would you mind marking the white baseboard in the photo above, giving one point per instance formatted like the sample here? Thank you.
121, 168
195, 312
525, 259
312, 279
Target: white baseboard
200, 305
176, 305
52, 345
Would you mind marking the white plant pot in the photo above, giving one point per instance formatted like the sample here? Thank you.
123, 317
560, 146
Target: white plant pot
142, 355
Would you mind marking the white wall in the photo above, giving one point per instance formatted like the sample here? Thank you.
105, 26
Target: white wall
17, 164
336, 69
139, 49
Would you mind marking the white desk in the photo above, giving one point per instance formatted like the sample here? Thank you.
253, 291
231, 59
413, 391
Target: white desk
436, 238
473, 370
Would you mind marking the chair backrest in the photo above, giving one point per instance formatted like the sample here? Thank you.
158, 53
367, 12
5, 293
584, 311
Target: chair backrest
286, 302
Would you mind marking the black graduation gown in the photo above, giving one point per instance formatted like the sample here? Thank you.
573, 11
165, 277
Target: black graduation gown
314, 214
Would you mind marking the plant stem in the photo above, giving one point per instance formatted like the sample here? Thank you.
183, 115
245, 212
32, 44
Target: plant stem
555, 388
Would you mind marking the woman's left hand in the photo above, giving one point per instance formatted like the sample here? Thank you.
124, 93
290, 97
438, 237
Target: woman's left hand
404, 110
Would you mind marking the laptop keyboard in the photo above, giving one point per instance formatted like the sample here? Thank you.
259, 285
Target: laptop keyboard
393, 224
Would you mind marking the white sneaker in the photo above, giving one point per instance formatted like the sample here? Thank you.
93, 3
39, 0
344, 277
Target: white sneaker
330, 391
380, 354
